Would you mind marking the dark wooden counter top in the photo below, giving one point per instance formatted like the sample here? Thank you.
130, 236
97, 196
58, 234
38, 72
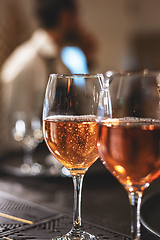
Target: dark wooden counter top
104, 200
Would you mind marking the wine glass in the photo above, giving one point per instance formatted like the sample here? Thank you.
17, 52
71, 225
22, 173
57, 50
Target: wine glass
70, 131
27, 130
129, 133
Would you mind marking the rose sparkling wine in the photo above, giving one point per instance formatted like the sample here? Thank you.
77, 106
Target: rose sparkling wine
72, 140
130, 149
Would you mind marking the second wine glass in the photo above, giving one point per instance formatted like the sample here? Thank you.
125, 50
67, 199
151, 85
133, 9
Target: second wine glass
129, 134
70, 131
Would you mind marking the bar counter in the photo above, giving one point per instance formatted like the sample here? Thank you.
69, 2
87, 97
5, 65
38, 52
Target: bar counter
104, 200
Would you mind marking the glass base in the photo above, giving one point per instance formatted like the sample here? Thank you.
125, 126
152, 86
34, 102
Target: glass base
76, 235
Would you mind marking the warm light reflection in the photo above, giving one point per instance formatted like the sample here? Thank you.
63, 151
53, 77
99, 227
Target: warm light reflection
151, 127
129, 181
69, 85
131, 189
15, 218
57, 153
147, 185
119, 169
144, 127
111, 122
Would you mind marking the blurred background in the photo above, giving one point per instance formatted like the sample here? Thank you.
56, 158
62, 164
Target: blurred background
126, 31
127, 35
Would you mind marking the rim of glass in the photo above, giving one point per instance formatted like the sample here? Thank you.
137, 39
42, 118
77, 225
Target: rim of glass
89, 75
143, 73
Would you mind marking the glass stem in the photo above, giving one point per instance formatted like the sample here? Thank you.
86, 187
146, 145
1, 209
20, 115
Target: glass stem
135, 202
77, 225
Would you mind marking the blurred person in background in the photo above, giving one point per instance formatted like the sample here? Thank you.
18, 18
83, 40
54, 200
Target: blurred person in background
25, 72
